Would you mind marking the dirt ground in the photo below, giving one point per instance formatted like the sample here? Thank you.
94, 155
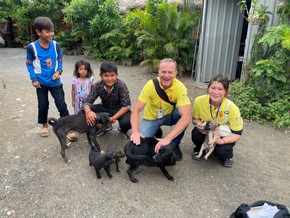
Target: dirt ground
35, 181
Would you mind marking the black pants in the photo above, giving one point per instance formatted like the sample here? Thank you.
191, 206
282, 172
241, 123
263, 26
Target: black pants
124, 121
43, 103
223, 152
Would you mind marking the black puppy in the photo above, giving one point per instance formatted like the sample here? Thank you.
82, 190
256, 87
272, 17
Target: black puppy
78, 123
143, 154
115, 153
100, 160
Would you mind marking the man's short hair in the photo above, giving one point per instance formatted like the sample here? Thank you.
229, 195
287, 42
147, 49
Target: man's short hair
43, 23
108, 66
168, 60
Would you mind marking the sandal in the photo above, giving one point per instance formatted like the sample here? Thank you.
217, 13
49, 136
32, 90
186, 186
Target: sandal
44, 132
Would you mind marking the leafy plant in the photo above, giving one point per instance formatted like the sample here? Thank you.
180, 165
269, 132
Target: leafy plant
279, 110
91, 19
274, 70
262, 104
277, 35
123, 45
257, 14
283, 10
246, 98
68, 42
163, 31
271, 70
26, 14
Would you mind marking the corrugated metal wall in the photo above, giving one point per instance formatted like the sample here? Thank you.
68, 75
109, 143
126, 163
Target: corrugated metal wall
220, 39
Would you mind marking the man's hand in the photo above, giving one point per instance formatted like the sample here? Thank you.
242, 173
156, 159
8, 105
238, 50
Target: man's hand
90, 118
135, 138
112, 119
161, 142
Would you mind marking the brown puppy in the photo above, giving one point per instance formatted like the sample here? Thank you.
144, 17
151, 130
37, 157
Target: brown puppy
116, 154
77, 123
211, 137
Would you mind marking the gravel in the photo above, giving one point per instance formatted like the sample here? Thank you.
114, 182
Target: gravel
36, 182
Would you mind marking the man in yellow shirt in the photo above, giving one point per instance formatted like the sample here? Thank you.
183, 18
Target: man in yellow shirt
158, 112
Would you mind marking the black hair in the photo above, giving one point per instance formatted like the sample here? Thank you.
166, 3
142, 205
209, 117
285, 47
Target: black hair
87, 66
221, 78
43, 23
108, 66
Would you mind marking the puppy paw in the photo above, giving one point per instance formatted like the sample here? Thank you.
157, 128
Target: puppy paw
134, 180
171, 178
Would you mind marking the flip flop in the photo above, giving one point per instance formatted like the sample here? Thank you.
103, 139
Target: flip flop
44, 132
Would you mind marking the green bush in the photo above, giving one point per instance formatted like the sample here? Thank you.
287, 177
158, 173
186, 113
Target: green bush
67, 41
160, 30
262, 104
91, 19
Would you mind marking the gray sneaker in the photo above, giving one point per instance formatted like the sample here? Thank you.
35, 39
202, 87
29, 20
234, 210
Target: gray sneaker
228, 163
194, 155
109, 128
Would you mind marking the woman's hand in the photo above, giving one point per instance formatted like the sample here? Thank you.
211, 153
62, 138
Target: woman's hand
199, 125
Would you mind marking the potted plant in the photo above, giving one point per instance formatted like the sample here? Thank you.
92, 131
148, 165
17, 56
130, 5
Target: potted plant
257, 14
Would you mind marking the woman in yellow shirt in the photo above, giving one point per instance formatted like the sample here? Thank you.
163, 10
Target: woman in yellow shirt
215, 106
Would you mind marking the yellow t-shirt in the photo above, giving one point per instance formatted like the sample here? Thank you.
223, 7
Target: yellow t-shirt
201, 110
177, 93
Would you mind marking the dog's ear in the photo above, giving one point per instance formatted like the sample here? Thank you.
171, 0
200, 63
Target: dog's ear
207, 125
110, 156
173, 157
214, 124
97, 118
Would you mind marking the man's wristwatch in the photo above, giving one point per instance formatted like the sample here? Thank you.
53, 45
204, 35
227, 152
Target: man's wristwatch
60, 72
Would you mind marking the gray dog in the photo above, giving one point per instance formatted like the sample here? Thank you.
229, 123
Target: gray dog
100, 160
104, 159
77, 123
115, 153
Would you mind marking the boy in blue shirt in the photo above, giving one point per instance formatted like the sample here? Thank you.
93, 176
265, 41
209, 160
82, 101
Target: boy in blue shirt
44, 64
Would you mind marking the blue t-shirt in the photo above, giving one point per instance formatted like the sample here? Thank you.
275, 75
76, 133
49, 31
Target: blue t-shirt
42, 63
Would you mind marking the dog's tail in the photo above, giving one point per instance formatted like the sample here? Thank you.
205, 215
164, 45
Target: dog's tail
52, 121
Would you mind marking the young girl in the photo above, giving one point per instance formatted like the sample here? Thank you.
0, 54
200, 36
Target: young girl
81, 84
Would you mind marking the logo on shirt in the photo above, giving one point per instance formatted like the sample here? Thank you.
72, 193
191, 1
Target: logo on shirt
48, 62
